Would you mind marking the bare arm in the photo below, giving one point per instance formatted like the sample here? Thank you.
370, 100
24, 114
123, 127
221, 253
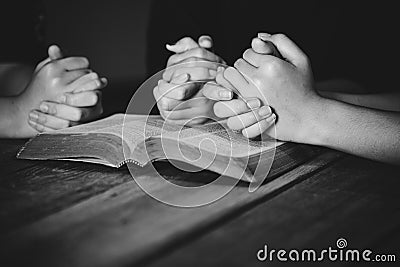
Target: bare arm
14, 77
14, 118
304, 116
352, 93
365, 132
13, 115
386, 101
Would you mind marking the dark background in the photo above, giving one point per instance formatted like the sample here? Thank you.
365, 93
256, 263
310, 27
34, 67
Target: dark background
125, 40
112, 34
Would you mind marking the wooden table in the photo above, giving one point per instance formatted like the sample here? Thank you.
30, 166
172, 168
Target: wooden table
57, 213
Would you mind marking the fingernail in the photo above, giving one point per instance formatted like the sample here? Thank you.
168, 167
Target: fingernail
263, 36
181, 78
33, 116
219, 69
104, 80
253, 103
264, 111
213, 73
271, 118
43, 107
225, 94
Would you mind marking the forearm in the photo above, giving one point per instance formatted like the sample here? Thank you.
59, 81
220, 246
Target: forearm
357, 130
13, 118
387, 101
352, 93
14, 77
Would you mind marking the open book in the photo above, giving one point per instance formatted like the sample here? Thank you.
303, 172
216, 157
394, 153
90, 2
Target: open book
141, 139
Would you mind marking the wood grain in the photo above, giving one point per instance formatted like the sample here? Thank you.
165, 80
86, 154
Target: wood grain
123, 225
354, 199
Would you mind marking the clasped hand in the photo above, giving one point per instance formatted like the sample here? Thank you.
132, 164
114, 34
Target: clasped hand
198, 86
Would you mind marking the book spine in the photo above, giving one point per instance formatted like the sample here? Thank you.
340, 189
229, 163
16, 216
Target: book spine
24, 146
131, 161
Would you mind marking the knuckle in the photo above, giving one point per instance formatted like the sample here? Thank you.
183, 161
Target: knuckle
200, 52
186, 39
180, 93
235, 123
190, 62
39, 128
170, 60
94, 75
162, 113
231, 123
163, 104
93, 98
280, 36
305, 60
55, 81
42, 119
94, 84
272, 67
257, 81
166, 76
52, 109
85, 61
221, 110
175, 59
51, 68
217, 109
236, 107
238, 62
199, 73
156, 93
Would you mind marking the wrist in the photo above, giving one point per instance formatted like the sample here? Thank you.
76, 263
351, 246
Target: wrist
315, 128
19, 127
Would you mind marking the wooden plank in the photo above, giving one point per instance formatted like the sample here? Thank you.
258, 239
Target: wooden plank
47, 187
125, 226
30, 190
8, 160
354, 199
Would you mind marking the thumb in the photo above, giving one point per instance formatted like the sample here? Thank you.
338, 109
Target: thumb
206, 41
182, 45
54, 52
265, 48
288, 49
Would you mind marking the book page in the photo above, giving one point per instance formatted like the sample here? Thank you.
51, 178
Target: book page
216, 137
97, 126
132, 128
